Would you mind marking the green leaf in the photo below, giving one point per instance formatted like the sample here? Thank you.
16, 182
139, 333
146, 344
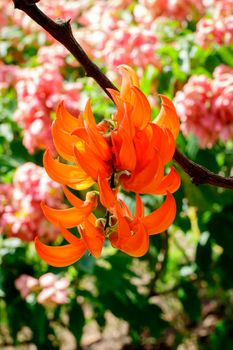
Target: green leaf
220, 227
204, 252
76, 321
38, 324
188, 295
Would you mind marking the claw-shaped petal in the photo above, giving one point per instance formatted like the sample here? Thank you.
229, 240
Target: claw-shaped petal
69, 237
129, 79
161, 218
141, 113
170, 183
66, 120
133, 242
96, 140
139, 180
71, 175
107, 196
63, 141
92, 163
168, 117
68, 217
163, 140
60, 256
93, 237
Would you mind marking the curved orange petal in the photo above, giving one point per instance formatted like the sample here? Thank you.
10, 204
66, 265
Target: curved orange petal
123, 209
119, 104
74, 200
107, 196
129, 79
93, 237
138, 181
72, 239
163, 140
124, 231
92, 163
141, 113
160, 219
127, 152
66, 174
170, 183
168, 117
134, 243
138, 244
96, 140
81, 133
67, 217
60, 256
63, 141
139, 210
113, 238
66, 120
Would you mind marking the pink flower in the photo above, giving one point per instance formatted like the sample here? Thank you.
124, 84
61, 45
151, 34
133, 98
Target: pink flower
47, 280
218, 31
26, 284
146, 11
50, 289
39, 90
218, 28
54, 290
123, 45
205, 107
21, 215
7, 75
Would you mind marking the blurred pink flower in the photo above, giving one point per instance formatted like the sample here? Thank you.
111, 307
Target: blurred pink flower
55, 53
50, 288
218, 31
39, 90
146, 11
218, 27
205, 107
26, 284
7, 75
47, 280
54, 290
54, 9
122, 45
21, 214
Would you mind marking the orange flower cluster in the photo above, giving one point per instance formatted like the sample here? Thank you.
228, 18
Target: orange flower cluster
129, 151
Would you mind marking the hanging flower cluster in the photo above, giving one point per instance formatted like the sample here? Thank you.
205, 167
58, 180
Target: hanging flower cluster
129, 151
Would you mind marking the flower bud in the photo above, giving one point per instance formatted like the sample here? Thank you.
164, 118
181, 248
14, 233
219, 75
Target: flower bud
100, 223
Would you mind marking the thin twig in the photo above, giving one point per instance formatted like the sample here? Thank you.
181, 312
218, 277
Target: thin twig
62, 32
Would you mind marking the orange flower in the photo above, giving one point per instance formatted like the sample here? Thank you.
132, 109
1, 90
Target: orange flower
129, 151
131, 233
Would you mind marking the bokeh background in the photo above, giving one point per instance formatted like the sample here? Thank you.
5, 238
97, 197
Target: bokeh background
180, 294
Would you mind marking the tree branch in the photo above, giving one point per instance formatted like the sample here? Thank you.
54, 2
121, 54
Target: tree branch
62, 32
199, 174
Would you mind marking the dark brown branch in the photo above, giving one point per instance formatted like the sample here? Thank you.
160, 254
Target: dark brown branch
199, 174
62, 32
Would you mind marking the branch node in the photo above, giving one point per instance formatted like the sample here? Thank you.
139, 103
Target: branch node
63, 23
